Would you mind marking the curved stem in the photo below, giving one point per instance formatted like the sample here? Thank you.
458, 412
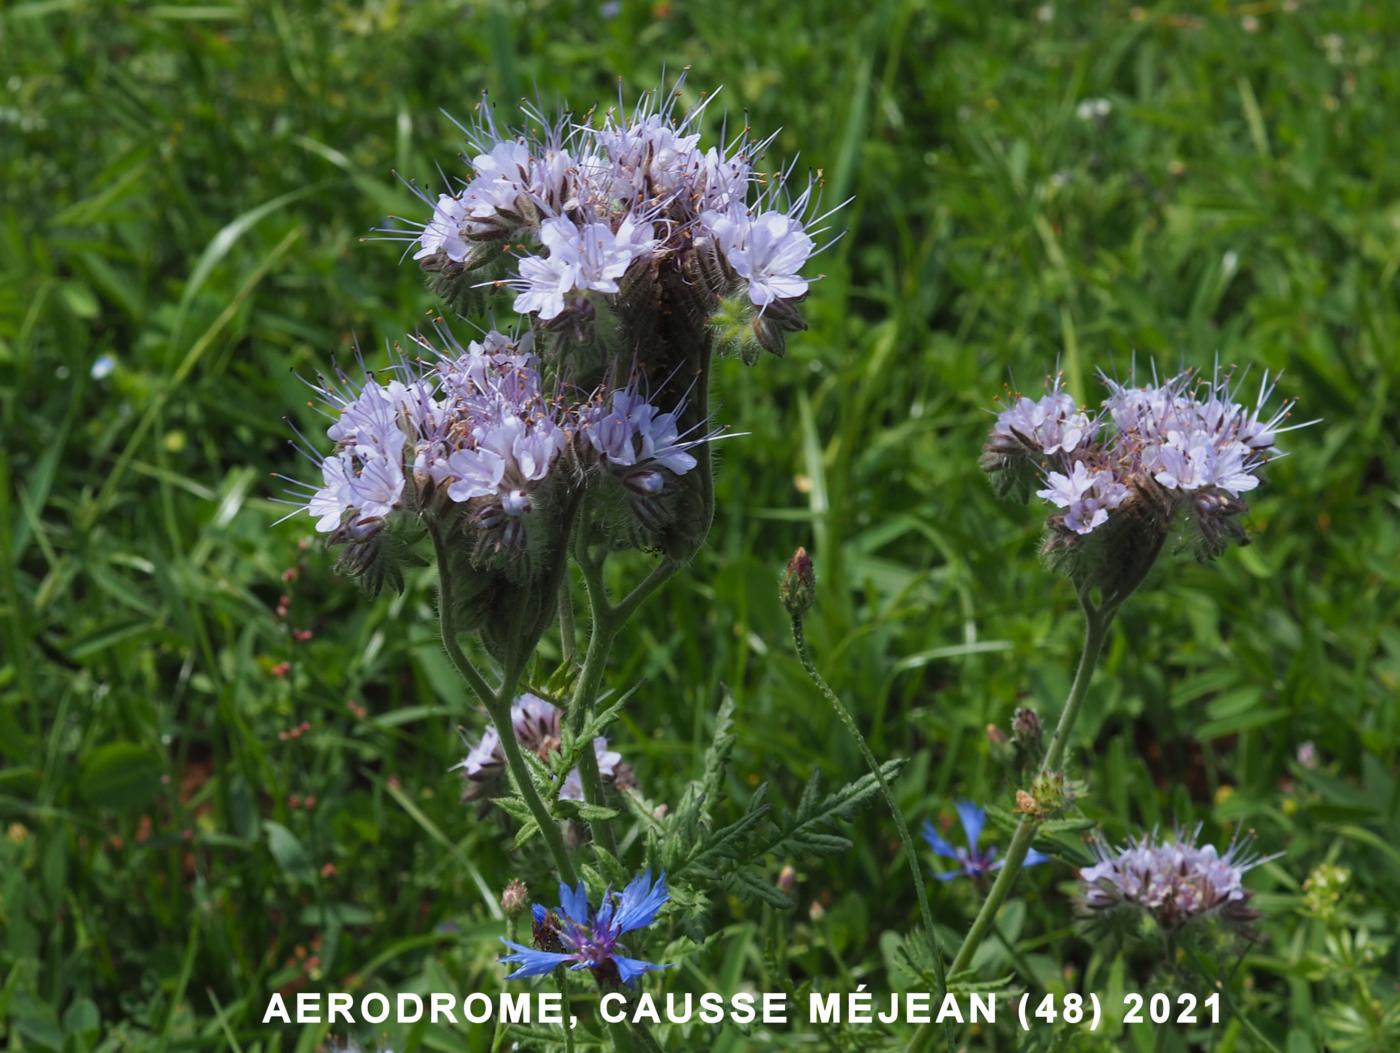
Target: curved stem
568, 633
1096, 628
497, 705
853, 729
1097, 621
607, 621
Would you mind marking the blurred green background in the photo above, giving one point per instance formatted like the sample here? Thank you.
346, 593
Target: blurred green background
186, 193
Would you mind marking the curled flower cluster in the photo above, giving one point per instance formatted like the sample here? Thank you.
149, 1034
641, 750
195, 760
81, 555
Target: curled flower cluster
469, 436
1152, 455
580, 937
537, 727
585, 213
632, 253
1174, 879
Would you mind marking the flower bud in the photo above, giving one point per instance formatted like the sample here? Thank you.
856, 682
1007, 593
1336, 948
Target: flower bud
1028, 735
1323, 889
513, 898
798, 588
787, 879
1050, 794
1026, 726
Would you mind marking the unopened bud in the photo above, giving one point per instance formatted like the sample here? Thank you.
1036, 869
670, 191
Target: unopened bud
798, 589
1050, 794
513, 898
787, 880
1026, 726
999, 747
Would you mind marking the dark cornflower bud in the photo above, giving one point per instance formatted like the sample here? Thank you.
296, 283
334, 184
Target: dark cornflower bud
798, 588
1026, 726
514, 897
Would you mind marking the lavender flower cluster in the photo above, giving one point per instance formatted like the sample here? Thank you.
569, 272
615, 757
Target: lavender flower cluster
1174, 879
632, 254
628, 247
470, 432
1152, 455
537, 726
604, 208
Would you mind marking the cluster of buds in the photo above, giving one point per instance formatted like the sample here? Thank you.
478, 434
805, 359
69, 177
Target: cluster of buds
1173, 879
1323, 891
537, 726
1118, 481
1050, 795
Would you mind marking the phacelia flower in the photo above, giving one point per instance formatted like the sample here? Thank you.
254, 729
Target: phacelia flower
470, 435
1180, 450
582, 203
1174, 879
537, 727
1086, 496
578, 936
972, 861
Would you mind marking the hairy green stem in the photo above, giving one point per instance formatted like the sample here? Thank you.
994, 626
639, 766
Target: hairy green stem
568, 633
607, 621
498, 703
1096, 628
1096, 623
853, 729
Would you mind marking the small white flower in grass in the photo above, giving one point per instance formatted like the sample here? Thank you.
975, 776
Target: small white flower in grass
1093, 109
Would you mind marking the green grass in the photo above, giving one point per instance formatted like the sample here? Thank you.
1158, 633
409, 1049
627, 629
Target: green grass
188, 189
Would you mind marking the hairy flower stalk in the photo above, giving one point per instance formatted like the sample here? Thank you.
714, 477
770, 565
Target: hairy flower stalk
798, 591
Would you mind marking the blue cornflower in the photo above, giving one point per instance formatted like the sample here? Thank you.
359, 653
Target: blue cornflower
972, 861
585, 939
